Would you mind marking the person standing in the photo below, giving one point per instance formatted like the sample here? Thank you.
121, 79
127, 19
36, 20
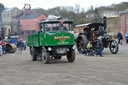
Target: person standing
120, 38
1, 51
99, 45
24, 45
3, 43
4, 49
19, 45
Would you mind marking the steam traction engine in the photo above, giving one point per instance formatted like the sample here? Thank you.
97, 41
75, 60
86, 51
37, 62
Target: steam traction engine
90, 32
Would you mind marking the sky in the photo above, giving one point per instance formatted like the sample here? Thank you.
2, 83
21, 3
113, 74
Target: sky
46, 4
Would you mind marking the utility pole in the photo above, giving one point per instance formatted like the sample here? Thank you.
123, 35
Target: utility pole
2, 32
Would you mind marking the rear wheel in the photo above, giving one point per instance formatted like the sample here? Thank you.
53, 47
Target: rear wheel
71, 56
33, 54
81, 43
114, 47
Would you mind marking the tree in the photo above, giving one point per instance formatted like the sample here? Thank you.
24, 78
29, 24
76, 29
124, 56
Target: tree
77, 8
39, 11
91, 8
97, 16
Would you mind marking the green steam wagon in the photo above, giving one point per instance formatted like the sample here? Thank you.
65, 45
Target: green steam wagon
54, 40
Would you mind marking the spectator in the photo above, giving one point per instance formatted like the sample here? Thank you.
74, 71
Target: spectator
3, 43
120, 38
118, 34
1, 52
20, 46
88, 50
24, 45
99, 44
4, 49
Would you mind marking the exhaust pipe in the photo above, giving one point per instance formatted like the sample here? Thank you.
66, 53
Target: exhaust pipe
105, 23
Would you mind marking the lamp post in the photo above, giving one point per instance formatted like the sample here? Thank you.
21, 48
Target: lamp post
2, 32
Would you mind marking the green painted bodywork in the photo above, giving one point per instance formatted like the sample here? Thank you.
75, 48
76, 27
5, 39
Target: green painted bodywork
48, 38
33, 40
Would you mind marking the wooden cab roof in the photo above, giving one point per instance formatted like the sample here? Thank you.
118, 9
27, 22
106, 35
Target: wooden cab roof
88, 25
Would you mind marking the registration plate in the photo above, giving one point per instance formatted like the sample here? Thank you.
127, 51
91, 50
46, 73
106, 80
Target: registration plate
61, 50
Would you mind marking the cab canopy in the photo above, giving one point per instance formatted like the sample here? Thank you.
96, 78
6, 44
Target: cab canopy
56, 21
56, 25
89, 26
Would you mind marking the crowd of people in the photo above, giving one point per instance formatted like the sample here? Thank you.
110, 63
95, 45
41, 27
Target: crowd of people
120, 38
90, 50
21, 45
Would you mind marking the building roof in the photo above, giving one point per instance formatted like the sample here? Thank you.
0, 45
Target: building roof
9, 9
124, 12
29, 16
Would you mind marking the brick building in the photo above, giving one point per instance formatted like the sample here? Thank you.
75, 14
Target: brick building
29, 23
124, 22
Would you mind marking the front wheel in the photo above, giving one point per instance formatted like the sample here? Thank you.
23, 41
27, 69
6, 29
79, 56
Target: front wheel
46, 58
71, 56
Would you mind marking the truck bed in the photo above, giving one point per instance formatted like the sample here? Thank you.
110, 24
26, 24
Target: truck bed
33, 40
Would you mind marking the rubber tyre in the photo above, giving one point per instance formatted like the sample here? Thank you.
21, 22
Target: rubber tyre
33, 54
46, 58
114, 47
71, 56
81, 43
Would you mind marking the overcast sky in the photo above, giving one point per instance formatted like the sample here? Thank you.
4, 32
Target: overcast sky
46, 4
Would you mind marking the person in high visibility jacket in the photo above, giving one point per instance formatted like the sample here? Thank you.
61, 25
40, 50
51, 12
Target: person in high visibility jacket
89, 47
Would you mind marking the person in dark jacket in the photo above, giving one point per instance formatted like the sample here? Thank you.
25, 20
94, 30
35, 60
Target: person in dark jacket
120, 38
20, 46
4, 49
99, 45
